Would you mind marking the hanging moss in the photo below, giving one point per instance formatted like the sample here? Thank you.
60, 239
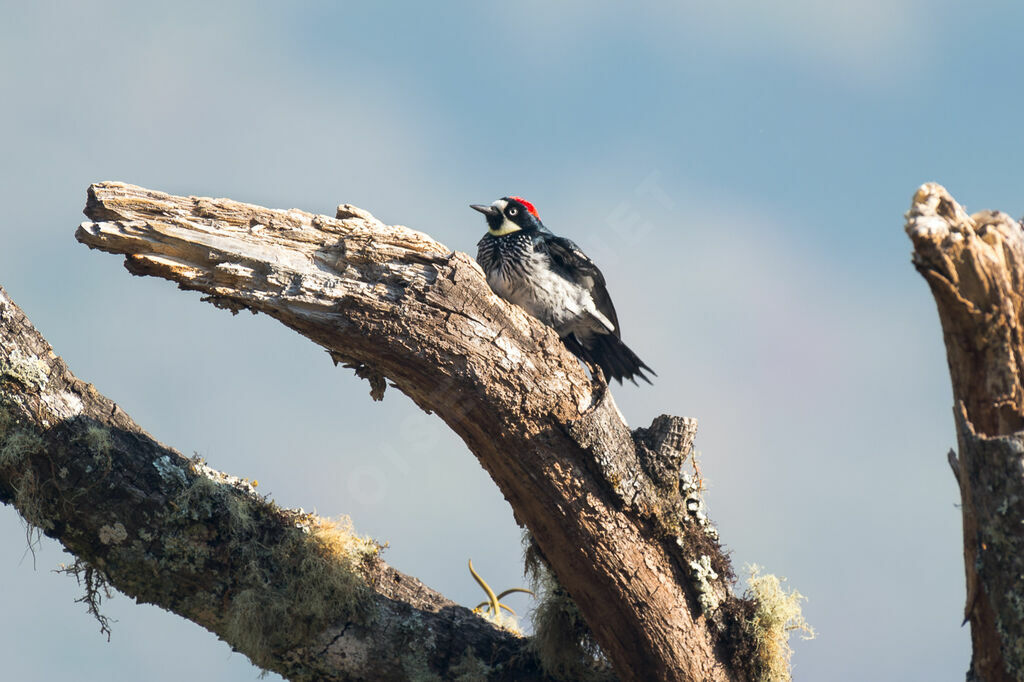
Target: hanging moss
777, 613
290, 587
16, 448
562, 640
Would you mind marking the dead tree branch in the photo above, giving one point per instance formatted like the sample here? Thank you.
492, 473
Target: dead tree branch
295, 593
622, 531
975, 268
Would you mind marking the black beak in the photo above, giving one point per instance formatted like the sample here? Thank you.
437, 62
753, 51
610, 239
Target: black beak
486, 210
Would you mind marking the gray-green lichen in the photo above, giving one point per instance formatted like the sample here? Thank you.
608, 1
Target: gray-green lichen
709, 595
693, 502
97, 439
113, 535
992, 469
27, 491
286, 587
17, 446
1013, 645
28, 370
416, 650
469, 668
169, 471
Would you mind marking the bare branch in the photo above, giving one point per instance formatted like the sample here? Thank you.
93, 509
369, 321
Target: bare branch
975, 268
396, 304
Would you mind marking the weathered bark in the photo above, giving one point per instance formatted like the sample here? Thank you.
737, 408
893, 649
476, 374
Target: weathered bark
604, 505
975, 268
296, 595
396, 304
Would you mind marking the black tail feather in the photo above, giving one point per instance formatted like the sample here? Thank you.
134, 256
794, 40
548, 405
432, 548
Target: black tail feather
614, 357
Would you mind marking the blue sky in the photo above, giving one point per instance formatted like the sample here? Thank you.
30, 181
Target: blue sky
738, 169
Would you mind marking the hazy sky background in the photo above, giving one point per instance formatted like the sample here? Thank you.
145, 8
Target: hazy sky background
739, 170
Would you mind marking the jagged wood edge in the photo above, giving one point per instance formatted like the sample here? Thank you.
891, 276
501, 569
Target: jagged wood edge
396, 304
974, 266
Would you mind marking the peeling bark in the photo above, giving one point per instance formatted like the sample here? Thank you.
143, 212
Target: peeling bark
621, 530
975, 268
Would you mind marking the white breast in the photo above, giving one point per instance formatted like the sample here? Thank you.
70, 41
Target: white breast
554, 300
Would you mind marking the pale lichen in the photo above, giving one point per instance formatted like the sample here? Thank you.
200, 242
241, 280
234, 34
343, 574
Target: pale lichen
416, 650
169, 471
28, 370
709, 594
18, 446
31, 506
777, 614
691, 488
97, 439
298, 586
113, 535
292, 574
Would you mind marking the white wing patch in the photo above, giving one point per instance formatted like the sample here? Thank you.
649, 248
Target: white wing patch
600, 317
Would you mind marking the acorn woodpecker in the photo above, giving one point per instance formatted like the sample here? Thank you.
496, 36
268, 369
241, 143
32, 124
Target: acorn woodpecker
553, 280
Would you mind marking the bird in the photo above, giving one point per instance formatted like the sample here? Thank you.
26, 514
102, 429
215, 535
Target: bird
553, 280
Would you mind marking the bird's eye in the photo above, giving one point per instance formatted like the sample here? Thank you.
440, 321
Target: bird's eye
512, 211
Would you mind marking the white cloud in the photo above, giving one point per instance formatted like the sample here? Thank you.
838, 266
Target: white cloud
860, 38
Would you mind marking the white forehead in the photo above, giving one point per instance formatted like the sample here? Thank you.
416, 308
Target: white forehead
500, 204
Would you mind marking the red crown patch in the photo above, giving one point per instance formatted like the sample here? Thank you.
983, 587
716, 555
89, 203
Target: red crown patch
529, 207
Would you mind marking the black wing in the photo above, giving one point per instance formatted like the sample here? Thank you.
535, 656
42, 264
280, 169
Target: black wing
576, 266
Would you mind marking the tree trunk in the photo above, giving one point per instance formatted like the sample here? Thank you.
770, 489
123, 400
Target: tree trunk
975, 268
623, 532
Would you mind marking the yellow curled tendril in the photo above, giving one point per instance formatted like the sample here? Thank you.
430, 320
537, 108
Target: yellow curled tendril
493, 602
